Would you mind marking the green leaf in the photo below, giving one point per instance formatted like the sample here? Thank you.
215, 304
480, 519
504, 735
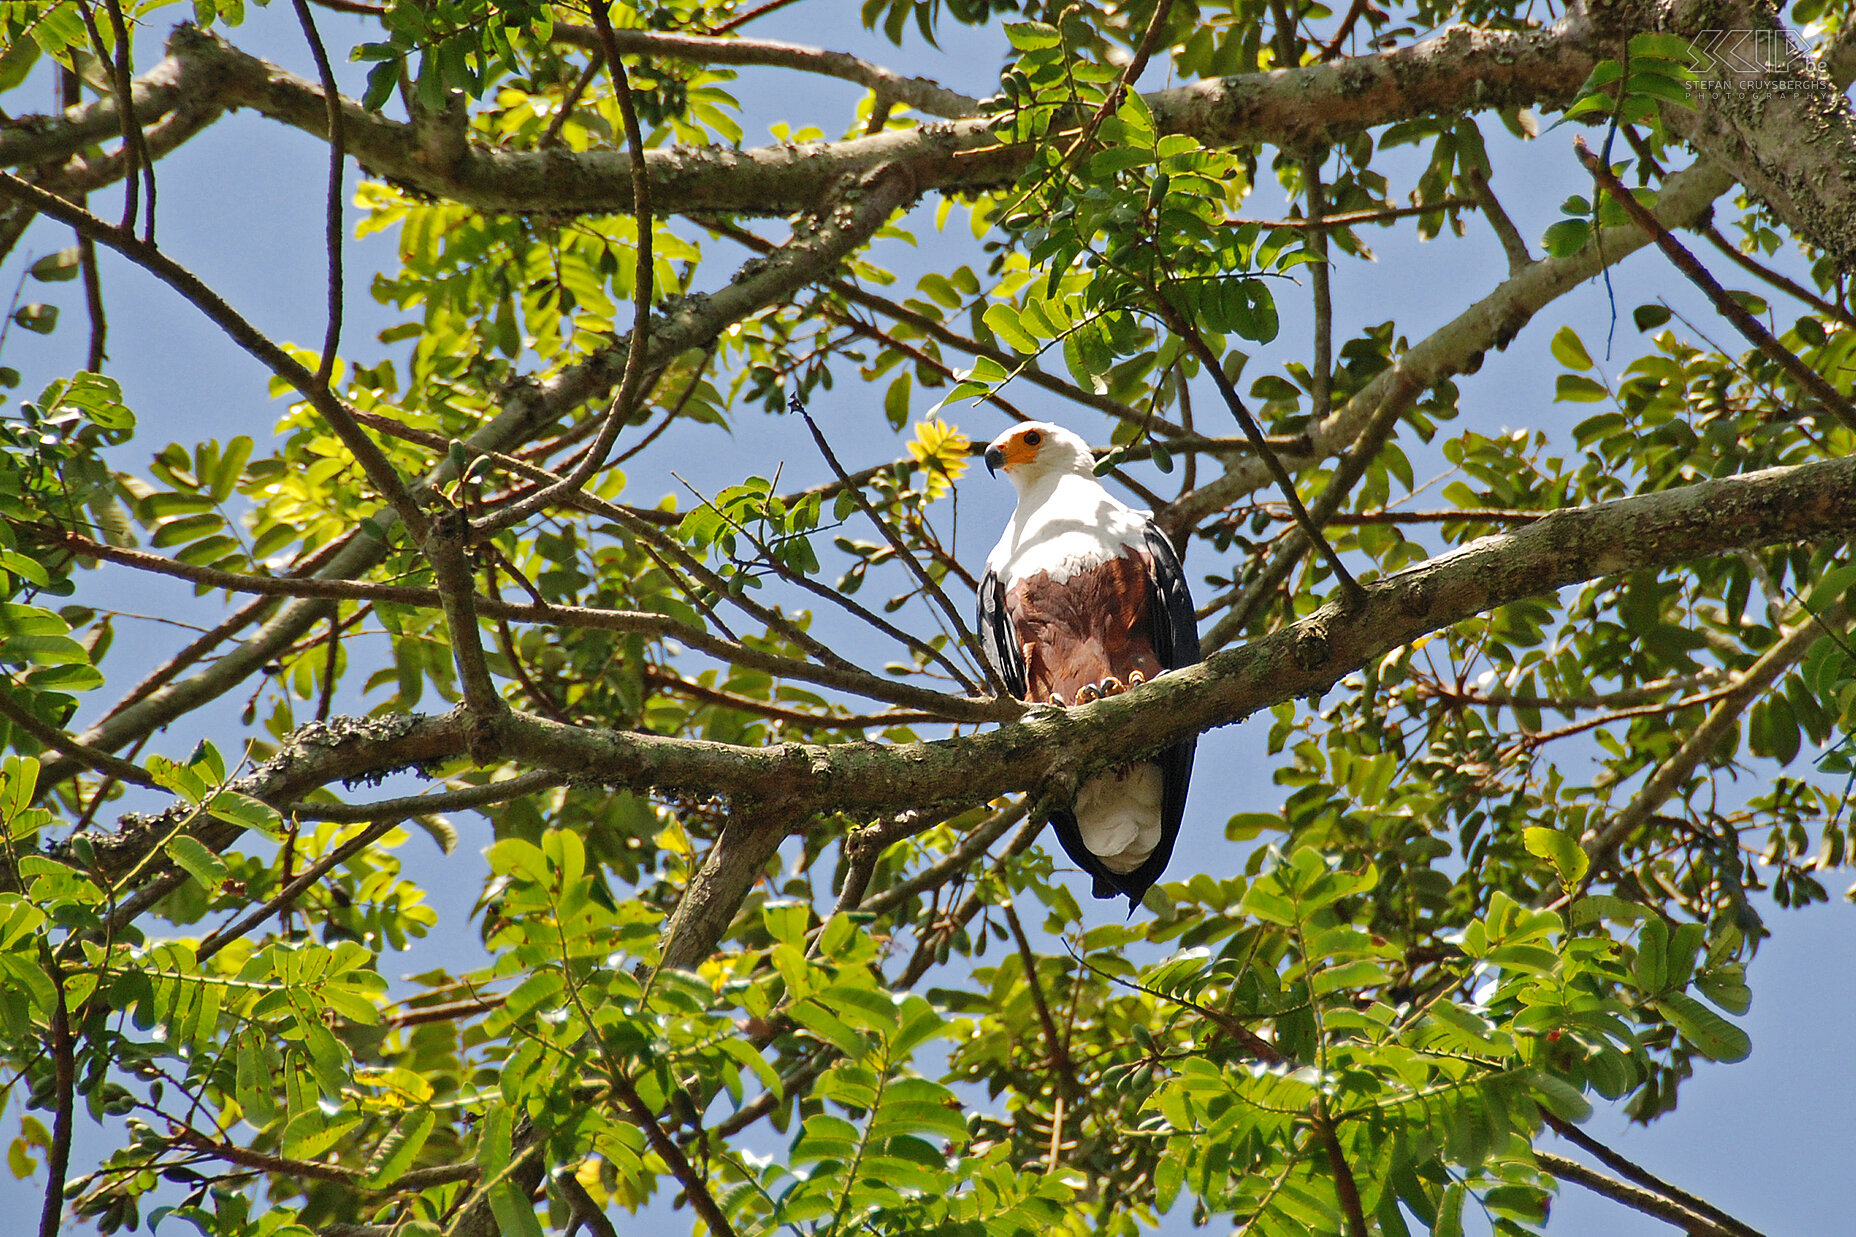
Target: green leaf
37, 318
1569, 351
1649, 317
198, 861
60, 267
1712, 1035
1567, 237
399, 1148
1562, 850
1030, 36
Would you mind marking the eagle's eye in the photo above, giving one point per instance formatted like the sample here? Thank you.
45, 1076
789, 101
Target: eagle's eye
1033, 438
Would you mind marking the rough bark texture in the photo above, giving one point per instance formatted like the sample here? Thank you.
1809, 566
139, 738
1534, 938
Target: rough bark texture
1775, 121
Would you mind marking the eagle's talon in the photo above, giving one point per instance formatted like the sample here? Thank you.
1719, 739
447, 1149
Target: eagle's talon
1088, 693
1136, 678
1112, 686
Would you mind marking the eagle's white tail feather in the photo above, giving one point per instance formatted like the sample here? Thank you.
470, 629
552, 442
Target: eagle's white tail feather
1118, 814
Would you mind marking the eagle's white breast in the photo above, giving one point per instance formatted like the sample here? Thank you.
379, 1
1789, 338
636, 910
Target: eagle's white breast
1065, 524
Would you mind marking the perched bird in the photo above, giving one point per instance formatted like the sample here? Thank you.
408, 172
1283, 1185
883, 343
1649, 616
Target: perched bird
1083, 597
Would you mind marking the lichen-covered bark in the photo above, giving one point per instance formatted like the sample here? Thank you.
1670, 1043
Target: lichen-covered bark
1459, 69
1772, 118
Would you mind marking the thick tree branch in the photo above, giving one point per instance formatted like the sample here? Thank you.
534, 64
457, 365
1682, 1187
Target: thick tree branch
1775, 122
1804, 503
1315, 103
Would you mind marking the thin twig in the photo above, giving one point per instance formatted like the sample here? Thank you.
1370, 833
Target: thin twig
1210, 362
1776, 279
429, 804
967, 639
287, 896
1603, 846
1348, 219
939, 332
1347, 473
332, 225
1355, 11
644, 272
52, 737
694, 1185
326, 703
1058, 1052
972, 847
673, 682
840, 674
64, 1067
1510, 236
570, 100
1684, 261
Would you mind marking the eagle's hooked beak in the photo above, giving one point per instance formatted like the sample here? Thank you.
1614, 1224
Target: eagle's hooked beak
995, 458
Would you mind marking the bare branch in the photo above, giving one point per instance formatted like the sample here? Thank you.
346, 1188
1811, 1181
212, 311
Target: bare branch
1510, 236
1749, 326
332, 224
967, 639
643, 276
1633, 1172
925, 96
1636, 1199
1789, 286
1603, 845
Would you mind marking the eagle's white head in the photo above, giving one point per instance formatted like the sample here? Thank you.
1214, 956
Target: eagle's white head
1037, 449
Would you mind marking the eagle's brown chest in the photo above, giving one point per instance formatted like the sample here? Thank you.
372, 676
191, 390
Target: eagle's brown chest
1092, 626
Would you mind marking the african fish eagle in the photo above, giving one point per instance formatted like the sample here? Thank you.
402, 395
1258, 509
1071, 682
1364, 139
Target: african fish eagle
1083, 597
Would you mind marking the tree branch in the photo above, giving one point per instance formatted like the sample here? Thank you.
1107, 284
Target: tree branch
1636, 1199
1314, 103
1633, 1172
924, 95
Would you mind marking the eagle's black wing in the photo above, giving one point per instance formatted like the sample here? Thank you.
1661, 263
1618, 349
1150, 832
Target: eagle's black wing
1175, 627
999, 638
